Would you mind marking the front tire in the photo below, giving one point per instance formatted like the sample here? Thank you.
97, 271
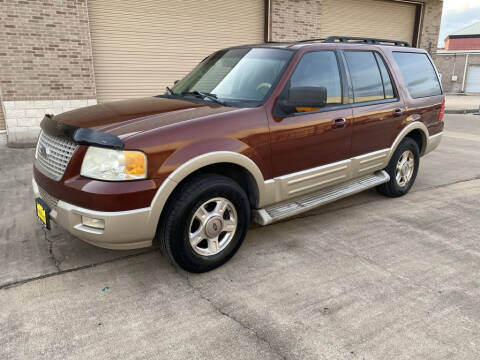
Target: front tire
402, 168
205, 223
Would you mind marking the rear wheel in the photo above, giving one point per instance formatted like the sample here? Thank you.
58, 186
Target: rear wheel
402, 168
205, 224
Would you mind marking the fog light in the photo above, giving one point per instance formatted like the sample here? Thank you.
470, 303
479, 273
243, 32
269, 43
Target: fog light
94, 223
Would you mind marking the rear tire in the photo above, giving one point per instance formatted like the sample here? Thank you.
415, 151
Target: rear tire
402, 168
205, 223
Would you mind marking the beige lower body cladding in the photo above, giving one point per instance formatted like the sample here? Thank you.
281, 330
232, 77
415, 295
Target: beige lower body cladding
23, 117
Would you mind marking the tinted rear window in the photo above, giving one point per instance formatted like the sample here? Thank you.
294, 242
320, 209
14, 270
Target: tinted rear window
418, 73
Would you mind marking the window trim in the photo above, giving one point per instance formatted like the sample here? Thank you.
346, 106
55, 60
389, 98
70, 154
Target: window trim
343, 86
396, 96
376, 55
434, 69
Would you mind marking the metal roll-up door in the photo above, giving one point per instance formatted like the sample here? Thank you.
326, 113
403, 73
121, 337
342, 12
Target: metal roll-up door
473, 79
368, 18
142, 46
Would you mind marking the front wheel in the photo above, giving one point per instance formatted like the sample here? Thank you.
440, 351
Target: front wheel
205, 223
402, 168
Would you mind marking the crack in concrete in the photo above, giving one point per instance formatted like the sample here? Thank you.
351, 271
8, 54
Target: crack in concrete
228, 315
56, 262
16, 283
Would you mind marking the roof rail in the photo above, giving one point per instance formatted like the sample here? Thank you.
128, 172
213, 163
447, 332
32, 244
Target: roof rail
352, 39
312, 40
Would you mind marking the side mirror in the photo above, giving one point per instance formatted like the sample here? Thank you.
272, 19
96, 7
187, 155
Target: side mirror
305, 96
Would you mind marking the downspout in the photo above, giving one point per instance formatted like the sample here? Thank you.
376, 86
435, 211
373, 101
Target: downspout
454, 63
464, 73
267, 30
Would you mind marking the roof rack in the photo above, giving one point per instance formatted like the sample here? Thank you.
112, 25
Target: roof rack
352, 39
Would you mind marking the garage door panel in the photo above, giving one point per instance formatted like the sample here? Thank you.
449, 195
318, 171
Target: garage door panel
473, 79
368, 18
138, 50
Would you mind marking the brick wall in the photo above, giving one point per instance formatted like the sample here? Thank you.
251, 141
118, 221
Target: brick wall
45, 55
454, 64
430, 25
295, 19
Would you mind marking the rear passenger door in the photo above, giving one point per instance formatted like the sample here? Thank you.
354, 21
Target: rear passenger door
377, 107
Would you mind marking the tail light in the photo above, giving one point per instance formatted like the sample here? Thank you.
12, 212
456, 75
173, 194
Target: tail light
442, 111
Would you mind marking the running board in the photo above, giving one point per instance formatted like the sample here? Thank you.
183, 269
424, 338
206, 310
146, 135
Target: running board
304, 203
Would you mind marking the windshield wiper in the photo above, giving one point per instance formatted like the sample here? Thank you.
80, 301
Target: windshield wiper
211, 97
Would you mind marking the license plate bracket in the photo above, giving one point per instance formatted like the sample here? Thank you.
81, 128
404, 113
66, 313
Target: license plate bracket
43, 213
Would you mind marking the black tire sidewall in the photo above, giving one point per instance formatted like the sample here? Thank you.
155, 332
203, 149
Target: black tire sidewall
394, 188
178, 222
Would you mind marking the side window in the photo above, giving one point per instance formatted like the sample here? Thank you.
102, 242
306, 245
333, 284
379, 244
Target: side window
319, 68
418, 73
387, 81
366, 79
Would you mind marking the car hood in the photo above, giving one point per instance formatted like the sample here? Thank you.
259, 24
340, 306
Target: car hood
130, 117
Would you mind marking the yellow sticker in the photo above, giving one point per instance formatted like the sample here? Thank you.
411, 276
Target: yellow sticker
41, 213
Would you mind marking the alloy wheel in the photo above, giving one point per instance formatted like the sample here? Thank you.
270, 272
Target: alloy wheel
213, 226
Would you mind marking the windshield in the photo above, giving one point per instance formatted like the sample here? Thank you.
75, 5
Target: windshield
241, 74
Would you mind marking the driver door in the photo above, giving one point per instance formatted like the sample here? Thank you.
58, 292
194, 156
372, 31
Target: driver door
309, 145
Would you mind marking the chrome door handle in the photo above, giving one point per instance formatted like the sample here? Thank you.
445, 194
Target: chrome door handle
339, 123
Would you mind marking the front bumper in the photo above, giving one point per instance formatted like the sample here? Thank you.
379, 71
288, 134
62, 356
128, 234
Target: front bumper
123, 230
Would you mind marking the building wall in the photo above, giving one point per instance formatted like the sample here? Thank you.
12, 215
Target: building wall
450, 65
45, 62
296, 19
472, 43
430, 25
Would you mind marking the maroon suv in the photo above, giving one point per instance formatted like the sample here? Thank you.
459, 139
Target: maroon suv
258, 132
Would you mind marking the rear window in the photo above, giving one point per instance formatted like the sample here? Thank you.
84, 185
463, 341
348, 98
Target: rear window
418, 73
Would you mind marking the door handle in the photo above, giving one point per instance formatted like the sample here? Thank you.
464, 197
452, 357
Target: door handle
397, 112
339, 123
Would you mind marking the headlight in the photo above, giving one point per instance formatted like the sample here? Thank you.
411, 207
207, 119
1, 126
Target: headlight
114, 165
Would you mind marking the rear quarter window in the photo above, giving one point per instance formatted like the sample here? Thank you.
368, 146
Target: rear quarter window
419, 74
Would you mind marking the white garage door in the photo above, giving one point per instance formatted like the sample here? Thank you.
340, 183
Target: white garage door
368, 18
473, 79
139, 47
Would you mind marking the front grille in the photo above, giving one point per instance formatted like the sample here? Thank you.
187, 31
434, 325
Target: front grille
49, 199
53, 154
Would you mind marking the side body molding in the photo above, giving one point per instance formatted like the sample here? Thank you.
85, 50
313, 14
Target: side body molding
289, 186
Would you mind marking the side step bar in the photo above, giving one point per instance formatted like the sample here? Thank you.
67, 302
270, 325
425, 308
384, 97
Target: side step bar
304, 203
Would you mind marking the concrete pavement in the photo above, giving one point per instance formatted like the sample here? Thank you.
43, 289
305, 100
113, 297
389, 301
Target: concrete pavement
461, 104
364, 278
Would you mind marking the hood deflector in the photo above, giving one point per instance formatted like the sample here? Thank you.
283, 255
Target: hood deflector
81, 136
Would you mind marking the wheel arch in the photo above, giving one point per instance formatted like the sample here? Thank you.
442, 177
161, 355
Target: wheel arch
415, 130
219, 162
